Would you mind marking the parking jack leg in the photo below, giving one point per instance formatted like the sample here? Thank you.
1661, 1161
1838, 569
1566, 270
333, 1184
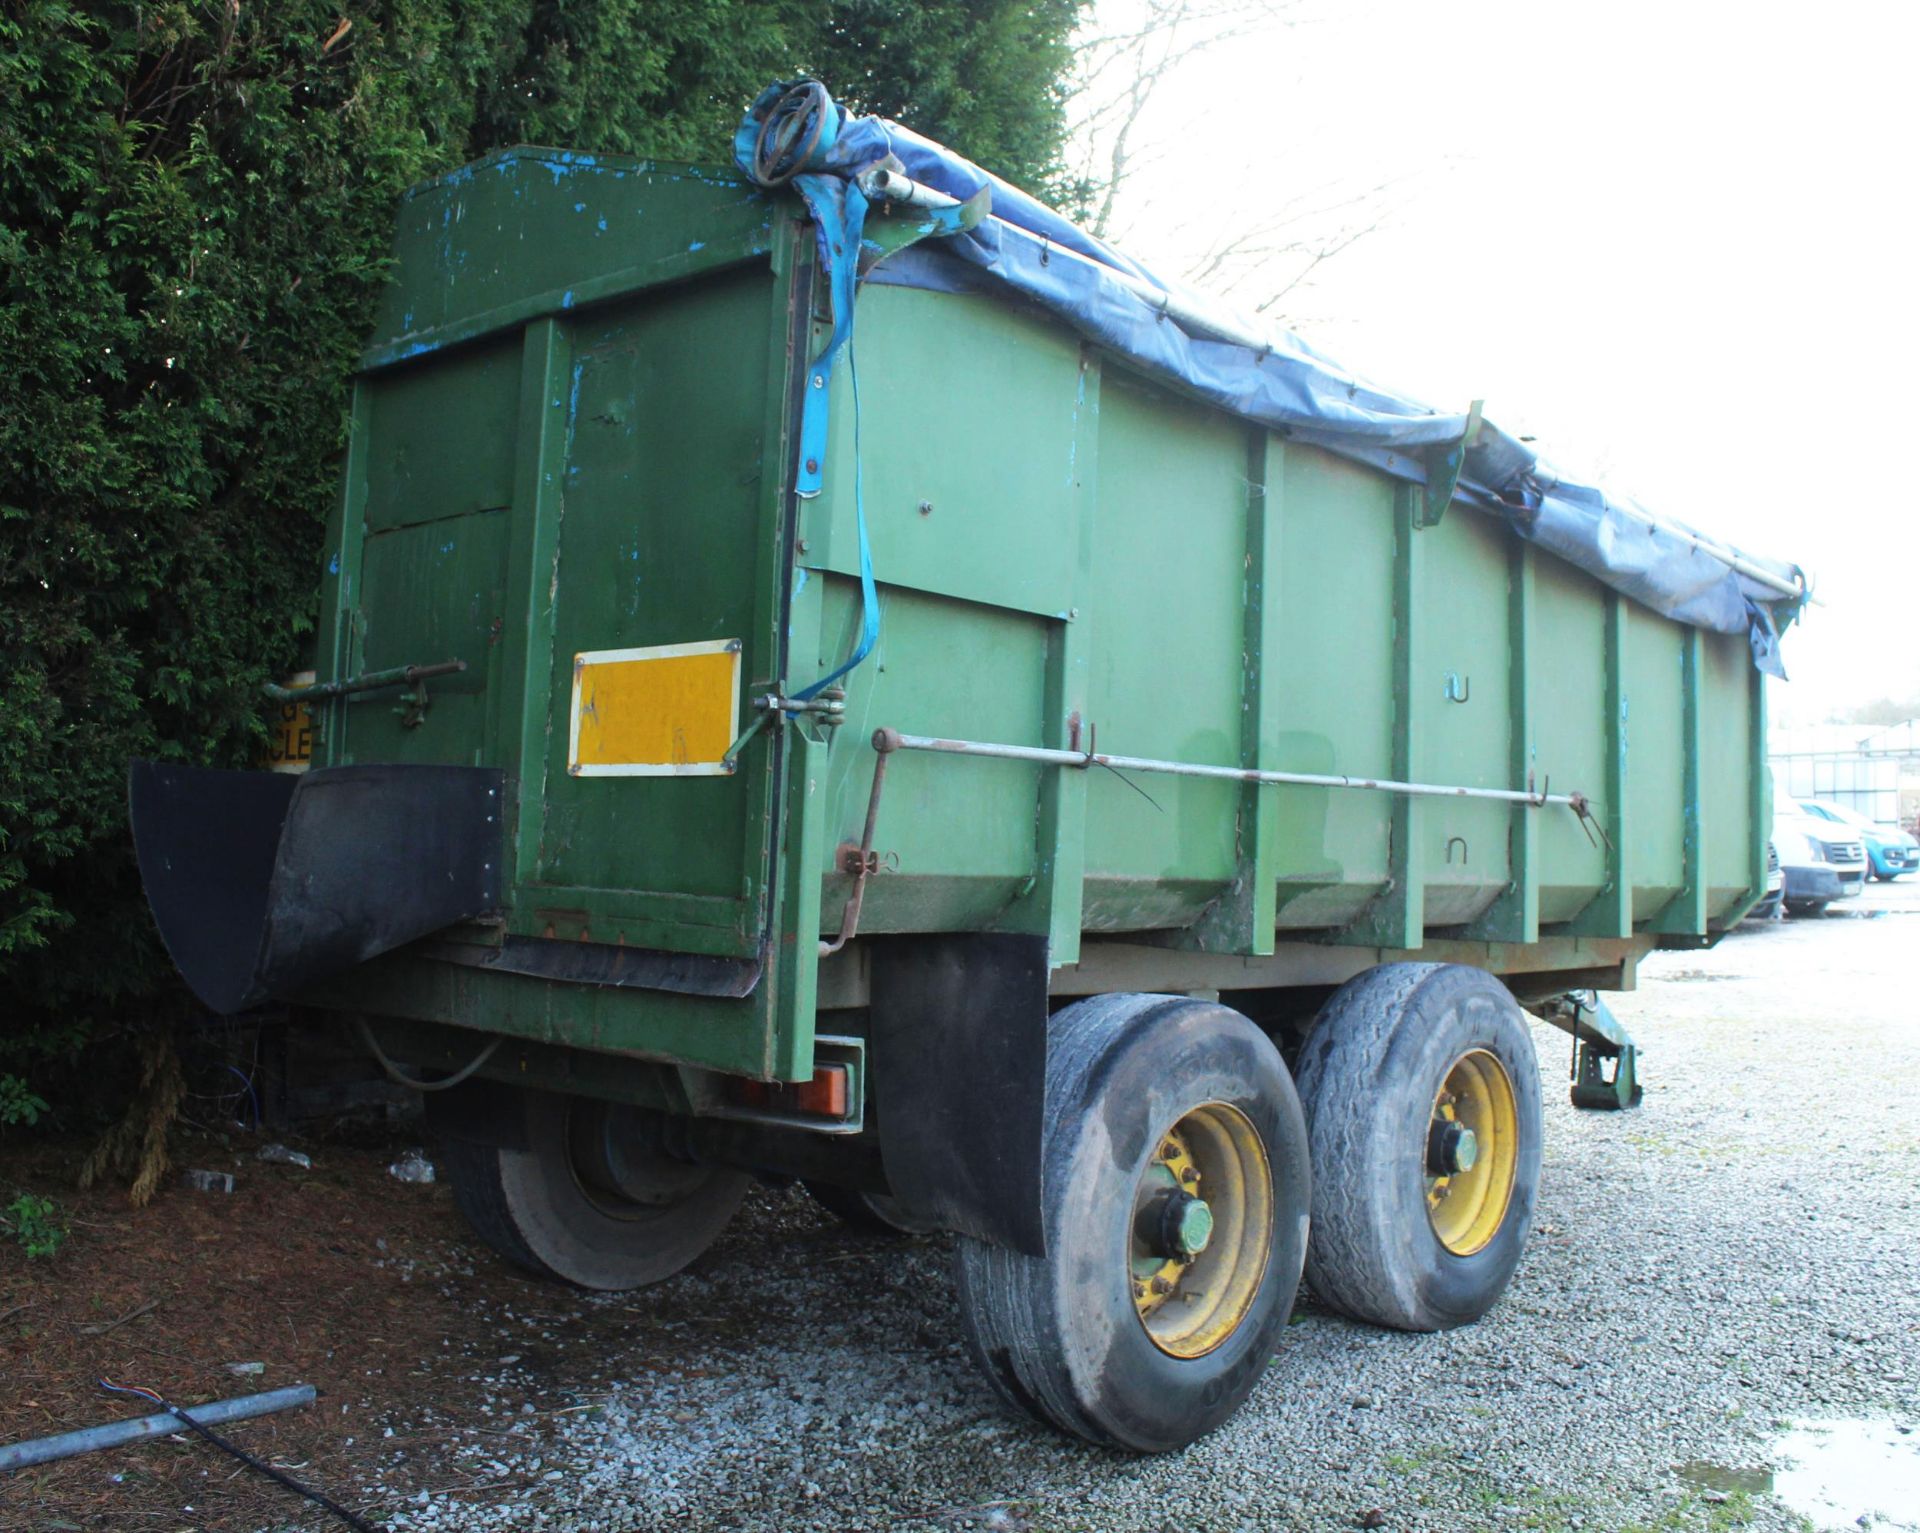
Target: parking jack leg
1599, 1039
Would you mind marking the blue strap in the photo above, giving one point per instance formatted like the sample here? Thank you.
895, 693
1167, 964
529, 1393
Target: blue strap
840, 209
869, 596
771, 146
840, 246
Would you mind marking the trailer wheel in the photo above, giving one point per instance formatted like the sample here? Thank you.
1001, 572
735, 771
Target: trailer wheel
1175, 1206
871, 1213
593, 1199
1422, 1096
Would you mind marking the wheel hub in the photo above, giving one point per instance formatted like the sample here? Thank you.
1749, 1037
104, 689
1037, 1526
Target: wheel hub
1472, 1150
1174, 1225
1186, 1225
1451, 1147
620, 1159
1201, 1231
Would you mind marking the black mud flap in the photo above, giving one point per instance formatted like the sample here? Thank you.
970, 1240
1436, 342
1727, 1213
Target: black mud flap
263, 882
959, 1041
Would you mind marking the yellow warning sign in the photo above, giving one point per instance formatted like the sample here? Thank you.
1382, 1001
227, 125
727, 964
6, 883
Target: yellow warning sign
663, 712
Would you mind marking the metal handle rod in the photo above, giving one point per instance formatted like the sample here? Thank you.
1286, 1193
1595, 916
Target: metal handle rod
43, 1450
885, 740
850, 916
398, 676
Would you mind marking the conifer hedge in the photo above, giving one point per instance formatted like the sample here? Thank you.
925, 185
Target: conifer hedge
195, 201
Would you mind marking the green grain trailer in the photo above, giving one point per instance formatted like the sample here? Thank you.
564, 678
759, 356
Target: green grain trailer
1200, 774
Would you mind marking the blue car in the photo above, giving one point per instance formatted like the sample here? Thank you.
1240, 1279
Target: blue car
1890, 852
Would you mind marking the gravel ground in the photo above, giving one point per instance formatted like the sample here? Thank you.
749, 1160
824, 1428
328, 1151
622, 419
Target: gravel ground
1737, 1254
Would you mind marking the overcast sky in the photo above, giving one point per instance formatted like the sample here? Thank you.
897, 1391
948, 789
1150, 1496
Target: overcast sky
1674, 240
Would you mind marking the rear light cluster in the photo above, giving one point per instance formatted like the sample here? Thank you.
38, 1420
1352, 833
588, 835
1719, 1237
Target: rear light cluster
825, 1096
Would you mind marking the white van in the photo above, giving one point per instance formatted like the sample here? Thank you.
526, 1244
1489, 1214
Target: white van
1821, 861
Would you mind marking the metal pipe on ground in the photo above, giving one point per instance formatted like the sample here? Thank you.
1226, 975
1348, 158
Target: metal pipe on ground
114, 1434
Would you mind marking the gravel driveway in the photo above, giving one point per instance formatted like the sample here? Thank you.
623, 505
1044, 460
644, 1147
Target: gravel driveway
1738, 1254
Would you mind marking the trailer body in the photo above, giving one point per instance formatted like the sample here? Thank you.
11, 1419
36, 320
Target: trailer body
572, 437
625, 822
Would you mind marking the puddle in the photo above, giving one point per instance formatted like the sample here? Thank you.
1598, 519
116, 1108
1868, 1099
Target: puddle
1755, 1482
1836, 1474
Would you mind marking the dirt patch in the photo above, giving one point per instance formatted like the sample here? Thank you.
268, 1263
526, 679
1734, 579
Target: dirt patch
339, 1276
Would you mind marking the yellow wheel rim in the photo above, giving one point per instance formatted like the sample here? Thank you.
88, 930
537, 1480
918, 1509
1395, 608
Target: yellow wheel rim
1201, 1231
1473, 1145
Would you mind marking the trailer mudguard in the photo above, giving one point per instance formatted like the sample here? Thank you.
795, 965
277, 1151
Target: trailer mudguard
263, 882
958, 1034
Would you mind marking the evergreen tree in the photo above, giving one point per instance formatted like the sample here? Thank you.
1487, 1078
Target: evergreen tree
195, 204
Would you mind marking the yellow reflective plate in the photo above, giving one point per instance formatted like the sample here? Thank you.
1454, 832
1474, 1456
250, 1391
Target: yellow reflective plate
669, 711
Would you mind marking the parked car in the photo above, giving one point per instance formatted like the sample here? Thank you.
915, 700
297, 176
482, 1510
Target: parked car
1767, 907
1890, 850
1821, 861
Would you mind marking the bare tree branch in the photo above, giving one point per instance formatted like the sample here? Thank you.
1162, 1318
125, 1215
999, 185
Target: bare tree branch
1279, 256
1121, 71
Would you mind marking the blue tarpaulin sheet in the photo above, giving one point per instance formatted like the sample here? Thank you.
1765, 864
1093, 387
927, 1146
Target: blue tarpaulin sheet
1255, 370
